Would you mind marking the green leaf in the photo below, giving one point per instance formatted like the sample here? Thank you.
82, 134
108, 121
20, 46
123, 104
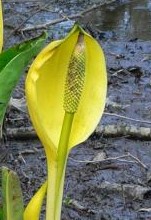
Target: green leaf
1, 213
12, 63
11, 196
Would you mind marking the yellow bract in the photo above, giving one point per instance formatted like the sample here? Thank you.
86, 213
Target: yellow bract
34, 207
45, 88
1, 27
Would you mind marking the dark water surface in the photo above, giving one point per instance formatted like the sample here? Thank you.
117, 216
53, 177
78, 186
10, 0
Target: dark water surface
128, 20
124, 19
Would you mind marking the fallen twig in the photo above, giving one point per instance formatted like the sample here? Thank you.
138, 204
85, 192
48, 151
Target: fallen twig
116, 159
18, 28
124, 130
113, 130
52, 22
130, 190
145, 210
19, 104
65, 18
80, 207
127, 118
114, 105
21, 133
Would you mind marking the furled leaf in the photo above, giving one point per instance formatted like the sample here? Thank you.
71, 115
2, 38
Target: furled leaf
11, 196
12, 63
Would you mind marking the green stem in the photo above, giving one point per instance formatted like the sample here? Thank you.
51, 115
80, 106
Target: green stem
56, 171
62, 159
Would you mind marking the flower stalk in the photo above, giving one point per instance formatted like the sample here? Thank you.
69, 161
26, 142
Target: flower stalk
56, 171
73, 89
62, 159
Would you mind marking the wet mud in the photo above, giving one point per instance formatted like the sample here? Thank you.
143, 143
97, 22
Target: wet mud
107, 177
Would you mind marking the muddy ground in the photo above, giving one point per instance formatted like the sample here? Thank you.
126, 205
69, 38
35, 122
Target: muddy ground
109, 176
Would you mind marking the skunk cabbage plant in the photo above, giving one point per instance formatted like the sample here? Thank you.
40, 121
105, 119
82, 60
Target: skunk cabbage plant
66, 91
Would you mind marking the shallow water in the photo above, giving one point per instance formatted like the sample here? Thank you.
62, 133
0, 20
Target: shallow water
125, 20
128, 20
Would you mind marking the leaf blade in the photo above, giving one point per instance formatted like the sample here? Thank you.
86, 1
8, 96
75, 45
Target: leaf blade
1, 27
11, 195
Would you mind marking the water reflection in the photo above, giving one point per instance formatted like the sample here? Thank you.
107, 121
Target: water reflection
131, 20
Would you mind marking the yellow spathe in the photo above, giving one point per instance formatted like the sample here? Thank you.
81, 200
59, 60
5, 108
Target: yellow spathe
1, 27
45, 87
